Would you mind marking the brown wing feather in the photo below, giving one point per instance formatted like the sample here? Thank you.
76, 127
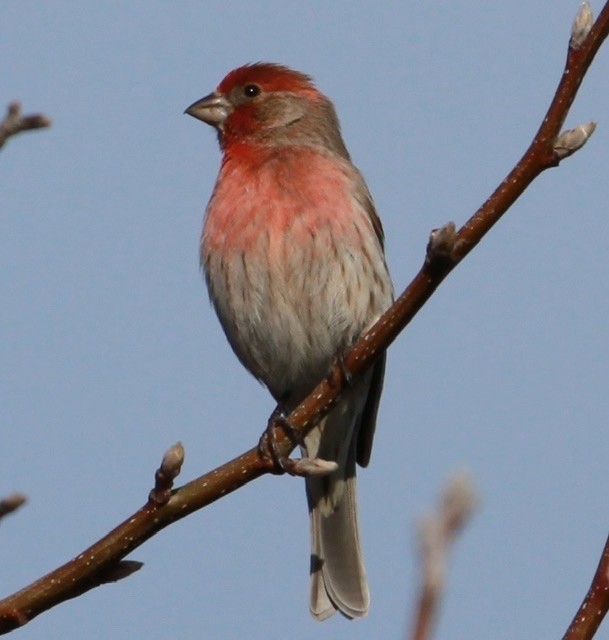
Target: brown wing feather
367, 423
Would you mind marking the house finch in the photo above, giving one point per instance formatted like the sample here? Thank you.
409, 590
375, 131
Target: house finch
292, 250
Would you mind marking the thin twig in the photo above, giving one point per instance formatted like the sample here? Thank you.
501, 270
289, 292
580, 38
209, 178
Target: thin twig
11, 503
437, 533
445, 250
595, 605
15, 122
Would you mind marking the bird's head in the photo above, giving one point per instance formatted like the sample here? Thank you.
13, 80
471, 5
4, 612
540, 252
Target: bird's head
269, 104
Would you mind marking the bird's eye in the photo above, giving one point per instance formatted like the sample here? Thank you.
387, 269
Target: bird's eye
251, 90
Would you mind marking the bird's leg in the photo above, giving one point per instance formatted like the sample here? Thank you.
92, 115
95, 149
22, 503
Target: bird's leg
268, 446
269, 449
345, 375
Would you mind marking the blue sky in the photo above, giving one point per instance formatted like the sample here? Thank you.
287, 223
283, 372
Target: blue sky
110, 351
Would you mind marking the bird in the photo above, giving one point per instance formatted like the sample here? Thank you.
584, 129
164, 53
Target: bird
293, 255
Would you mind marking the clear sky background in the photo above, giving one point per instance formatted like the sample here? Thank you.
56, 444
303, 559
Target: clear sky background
110, 351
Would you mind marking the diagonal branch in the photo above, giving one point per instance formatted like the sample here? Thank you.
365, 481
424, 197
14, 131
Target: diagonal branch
595, 605
446, 248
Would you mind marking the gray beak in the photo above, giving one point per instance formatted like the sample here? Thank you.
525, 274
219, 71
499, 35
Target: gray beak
212, 109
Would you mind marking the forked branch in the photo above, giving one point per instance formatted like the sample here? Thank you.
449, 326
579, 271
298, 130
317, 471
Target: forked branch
15, 122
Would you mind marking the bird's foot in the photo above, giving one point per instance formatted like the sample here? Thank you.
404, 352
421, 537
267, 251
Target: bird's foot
268, 448
335, 378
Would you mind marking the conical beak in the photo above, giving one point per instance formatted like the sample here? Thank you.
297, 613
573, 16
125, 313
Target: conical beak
212, 109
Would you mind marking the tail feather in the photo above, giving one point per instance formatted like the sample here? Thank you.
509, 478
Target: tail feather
338, 576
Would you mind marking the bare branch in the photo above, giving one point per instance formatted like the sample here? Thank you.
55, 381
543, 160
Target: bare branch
11, 503
14, 122
446, 249
595, 605
437, 533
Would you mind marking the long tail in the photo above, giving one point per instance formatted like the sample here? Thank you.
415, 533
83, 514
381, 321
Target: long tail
338, 576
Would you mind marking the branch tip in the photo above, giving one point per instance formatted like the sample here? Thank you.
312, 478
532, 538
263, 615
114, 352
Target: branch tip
14, 122
11, 503
459, 501
571, 140
14, 109
441, 243
437, 532
173, 460
582, 24
170, 468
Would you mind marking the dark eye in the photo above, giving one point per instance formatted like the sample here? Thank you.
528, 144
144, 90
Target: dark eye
251, 90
